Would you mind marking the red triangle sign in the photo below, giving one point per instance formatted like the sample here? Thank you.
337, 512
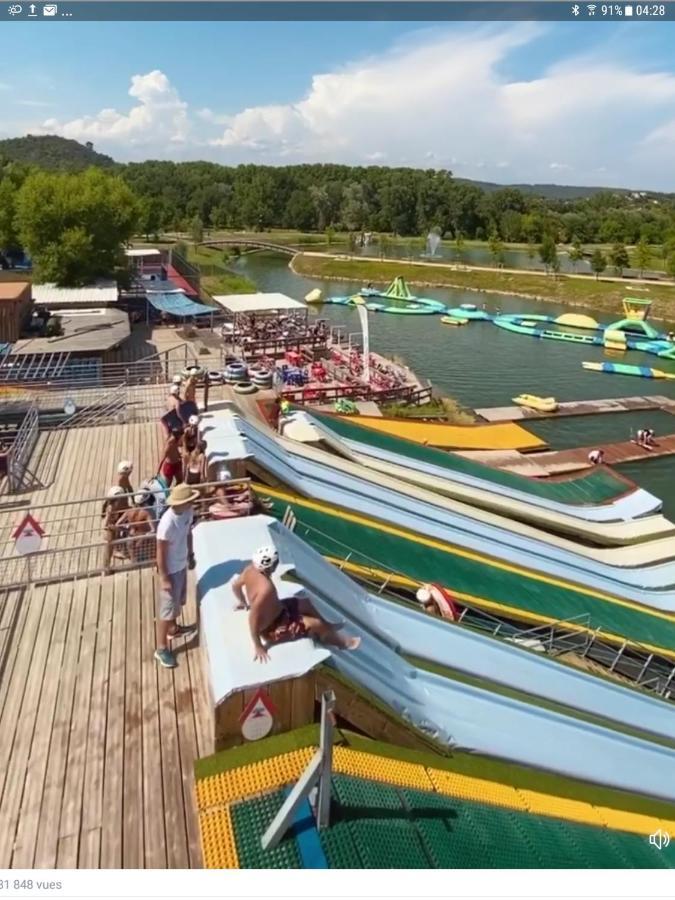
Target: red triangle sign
260, 697
28, 523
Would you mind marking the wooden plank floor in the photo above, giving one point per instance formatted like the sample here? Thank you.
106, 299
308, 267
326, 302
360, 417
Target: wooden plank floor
76, 464
97, 742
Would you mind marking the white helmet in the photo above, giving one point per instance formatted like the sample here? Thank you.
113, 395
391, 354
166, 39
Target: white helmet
265, 558
193, 420
177, 379
125, 467
116, 491
174, 390
423, 594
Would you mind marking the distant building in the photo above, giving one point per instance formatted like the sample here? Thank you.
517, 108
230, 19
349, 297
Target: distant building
15, 309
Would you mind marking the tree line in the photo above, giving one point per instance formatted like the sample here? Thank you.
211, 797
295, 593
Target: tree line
73, 224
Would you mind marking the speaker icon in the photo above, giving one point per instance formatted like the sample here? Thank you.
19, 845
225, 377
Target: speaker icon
660, 839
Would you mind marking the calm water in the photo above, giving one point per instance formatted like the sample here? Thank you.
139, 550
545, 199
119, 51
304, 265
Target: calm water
482, 365
477, 256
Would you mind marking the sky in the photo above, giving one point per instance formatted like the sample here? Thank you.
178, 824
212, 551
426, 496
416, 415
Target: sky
586, 103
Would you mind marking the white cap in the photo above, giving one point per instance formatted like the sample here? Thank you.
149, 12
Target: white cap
193, 420
174, 390
423, 594
142, 497
177, 379
116, 491
265, 558
125, 467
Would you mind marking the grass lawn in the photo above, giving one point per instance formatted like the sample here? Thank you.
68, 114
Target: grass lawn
597, 295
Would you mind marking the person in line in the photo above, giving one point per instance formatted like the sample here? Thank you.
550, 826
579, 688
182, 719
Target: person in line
174, 556
172, 463
272, 620
139, 524
189, 405
114, 507
194, 464
190, 437
596, 457
124, 470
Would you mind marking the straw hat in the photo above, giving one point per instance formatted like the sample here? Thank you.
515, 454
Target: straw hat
180, 494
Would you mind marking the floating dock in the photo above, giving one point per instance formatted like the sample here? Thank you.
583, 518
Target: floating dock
558, 462
577, 408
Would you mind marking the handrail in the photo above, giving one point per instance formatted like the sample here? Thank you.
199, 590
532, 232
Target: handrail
22, 447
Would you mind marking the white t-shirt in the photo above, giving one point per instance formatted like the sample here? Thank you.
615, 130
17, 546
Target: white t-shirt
174, 530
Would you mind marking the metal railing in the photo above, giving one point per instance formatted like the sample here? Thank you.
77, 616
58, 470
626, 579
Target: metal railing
575, 635
80, 541
18, 473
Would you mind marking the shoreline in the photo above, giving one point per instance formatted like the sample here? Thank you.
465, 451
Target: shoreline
595, 304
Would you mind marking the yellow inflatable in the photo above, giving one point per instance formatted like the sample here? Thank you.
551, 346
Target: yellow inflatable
542, 404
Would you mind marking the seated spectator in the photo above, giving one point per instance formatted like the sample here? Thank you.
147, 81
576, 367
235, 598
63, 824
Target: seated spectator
596, 457
273, 621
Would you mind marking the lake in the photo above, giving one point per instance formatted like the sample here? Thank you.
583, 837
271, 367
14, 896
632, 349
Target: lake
482, 365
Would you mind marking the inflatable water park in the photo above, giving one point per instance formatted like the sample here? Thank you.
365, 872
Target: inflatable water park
632, 332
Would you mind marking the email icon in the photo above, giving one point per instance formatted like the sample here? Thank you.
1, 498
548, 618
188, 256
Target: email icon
50, 9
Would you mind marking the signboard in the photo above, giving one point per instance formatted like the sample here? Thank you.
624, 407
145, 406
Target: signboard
257, 719
28, 536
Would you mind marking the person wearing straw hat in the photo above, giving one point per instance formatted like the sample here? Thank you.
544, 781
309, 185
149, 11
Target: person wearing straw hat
174, 556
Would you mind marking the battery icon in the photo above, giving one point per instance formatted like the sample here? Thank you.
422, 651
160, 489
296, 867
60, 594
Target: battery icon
628, 10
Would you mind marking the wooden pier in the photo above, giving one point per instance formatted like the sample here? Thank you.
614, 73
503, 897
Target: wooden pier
578, 408
558, 462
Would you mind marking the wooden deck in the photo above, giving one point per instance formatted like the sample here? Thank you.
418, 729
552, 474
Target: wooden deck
558, 462
577, 408
97, 742
74, 465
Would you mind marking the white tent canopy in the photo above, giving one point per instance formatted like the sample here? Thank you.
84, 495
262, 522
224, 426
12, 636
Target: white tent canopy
252, 303
142, 252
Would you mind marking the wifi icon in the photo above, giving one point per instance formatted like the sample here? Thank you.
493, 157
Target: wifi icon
591, 9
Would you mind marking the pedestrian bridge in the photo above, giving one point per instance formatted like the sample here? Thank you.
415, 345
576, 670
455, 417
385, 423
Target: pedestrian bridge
253, 244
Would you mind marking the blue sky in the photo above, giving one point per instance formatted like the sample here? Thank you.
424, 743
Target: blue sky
583, 103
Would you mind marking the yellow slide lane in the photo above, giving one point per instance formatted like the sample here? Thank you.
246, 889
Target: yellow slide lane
491, 436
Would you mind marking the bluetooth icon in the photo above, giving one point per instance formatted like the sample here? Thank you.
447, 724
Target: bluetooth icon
575, 10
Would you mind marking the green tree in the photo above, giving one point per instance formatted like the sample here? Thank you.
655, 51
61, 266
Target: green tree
642, 255
75, 225
555, 265
598, 262
354, 212
9, 238
197, 230
670, 265
619, 258
460, 246
576, 253
547, 251
330, 236
496, 248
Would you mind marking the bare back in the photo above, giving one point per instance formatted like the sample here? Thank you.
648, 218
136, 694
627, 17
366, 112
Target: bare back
262, 596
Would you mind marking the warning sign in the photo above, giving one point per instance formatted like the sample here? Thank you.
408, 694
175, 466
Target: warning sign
28, 536
257, 719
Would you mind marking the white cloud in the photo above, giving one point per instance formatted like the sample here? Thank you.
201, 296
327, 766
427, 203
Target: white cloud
158, 116
440, 100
